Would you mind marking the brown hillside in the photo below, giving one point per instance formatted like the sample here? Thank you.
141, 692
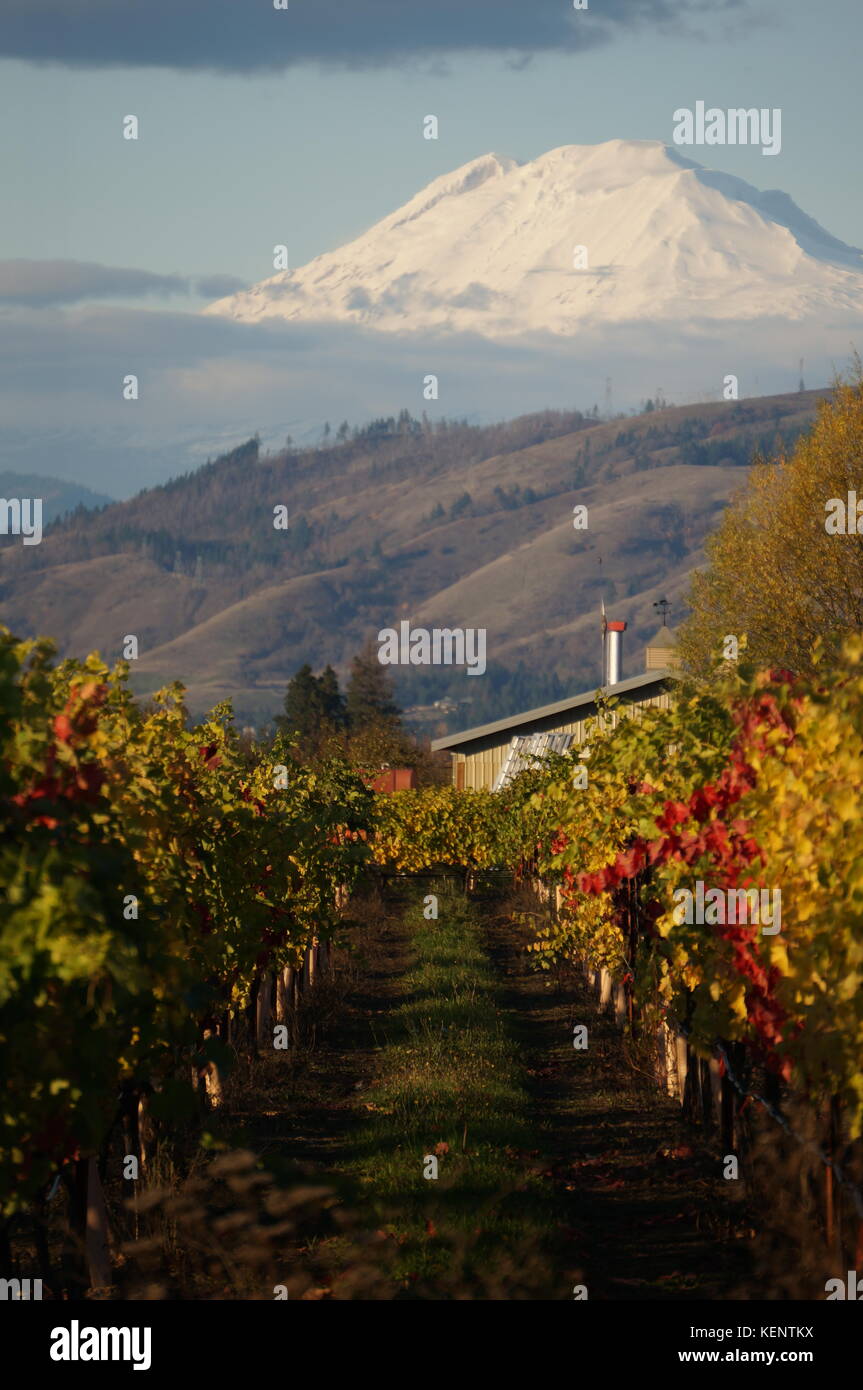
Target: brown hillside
448, 525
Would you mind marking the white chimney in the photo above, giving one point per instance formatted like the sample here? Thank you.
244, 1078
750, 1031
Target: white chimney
614, 653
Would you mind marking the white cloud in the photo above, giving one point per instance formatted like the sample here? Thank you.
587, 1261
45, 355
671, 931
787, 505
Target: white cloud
204, 381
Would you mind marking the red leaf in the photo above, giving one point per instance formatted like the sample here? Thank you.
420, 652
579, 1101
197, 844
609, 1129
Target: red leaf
673, 813
63, 728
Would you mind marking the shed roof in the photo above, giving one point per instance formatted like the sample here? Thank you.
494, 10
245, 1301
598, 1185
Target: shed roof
537, 716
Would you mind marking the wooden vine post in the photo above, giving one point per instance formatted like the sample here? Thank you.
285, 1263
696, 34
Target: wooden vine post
285, 993
97, 1235
832, 1207
264, 1011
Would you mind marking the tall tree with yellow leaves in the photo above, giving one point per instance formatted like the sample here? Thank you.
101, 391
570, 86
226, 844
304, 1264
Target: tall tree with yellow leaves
785, 566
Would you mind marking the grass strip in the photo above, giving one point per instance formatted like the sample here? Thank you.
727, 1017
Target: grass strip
451, 1088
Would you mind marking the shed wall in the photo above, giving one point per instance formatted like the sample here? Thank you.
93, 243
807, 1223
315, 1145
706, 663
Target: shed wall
482, 766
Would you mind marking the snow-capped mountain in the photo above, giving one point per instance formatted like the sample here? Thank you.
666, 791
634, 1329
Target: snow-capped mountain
585, 235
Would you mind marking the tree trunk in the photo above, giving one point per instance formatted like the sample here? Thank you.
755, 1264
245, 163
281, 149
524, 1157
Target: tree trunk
146, 1133
832, 1207
131, 1135
715, 1092
264, 1012
40, 1237
310, 964
213, 1085
706, 1095
98, 1254
728, 1126
284, 990
690, 1088
621, 1006
73, 1260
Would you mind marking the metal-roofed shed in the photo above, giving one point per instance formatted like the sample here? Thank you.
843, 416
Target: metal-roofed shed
524, 750
479, 754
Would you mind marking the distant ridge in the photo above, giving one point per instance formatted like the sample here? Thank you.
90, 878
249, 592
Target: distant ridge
446, 526
58, 496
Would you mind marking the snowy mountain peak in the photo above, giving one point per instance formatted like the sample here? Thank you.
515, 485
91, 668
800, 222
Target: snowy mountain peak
466, 179
584, 235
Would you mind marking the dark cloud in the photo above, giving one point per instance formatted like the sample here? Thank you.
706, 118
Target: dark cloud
251, 35
38, 284
217, 286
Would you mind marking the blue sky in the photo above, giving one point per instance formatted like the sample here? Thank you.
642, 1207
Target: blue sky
230, 162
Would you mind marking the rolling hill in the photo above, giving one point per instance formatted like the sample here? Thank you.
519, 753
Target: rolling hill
58, 495
445, 524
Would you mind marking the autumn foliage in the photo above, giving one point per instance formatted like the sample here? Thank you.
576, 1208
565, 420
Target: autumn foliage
753, 786
151, 872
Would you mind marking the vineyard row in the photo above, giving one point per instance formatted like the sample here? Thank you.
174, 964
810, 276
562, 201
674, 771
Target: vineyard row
165, 885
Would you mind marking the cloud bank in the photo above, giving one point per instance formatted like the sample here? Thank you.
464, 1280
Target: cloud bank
206, 383
42, 283
243, 36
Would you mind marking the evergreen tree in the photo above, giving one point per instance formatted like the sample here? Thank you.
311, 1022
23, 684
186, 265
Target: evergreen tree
304, 708
332, 700
370, 692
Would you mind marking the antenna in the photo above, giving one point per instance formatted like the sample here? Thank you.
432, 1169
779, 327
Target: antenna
663, 606
802, 386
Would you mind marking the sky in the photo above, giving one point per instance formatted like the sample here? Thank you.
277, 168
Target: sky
304, 126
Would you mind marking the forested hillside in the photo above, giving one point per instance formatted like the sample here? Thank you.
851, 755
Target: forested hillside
444, 524
59, 497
